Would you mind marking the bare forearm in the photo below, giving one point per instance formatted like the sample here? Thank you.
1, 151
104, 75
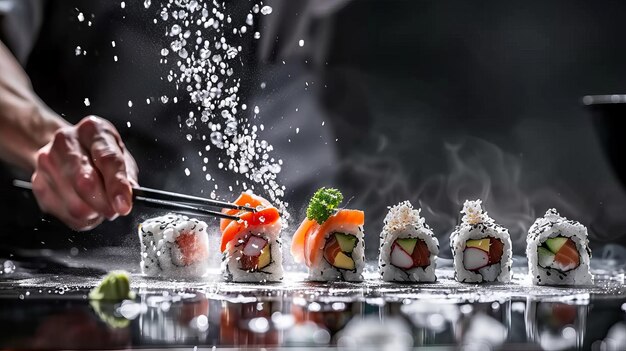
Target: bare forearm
26, 123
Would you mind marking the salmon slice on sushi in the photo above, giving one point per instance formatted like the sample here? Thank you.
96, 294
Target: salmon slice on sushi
251, 247
330, 240
481, 248
558, 251
174, 246
408, 247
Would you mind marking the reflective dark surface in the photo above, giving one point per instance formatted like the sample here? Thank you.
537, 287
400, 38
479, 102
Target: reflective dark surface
43, 309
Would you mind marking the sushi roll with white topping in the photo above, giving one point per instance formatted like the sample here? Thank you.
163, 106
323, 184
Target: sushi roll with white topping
408, 247
558, 251
481, 248
251, 247
330, 240
174, 246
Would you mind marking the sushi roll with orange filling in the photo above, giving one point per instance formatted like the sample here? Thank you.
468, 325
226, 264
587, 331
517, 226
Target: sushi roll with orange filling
481, 248
251, 247
408, 247
558, 251
174, 246
330, 240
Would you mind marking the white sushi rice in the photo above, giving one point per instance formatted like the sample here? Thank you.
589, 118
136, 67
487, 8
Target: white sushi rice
549, 226
476, 224
160, 254
231, 267
324, 271
403, 221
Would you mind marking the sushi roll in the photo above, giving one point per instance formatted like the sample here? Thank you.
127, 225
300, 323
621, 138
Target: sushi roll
481, 248
408, 247
174, 246
330, 240
251, 247
558, 251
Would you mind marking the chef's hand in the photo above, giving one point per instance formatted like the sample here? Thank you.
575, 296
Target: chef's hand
85, 174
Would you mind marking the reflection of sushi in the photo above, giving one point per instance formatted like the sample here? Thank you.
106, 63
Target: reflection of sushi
409, 249
330, 241
174, 246
481, 247
248, 324
558, 251
251, 246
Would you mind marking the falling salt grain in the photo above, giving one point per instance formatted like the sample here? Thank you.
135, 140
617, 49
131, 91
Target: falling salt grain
256, 110
87, 102
78, 50
113, 43
123, 4
297, 130
81, 17
187, 172
128, 124
130, 103
115, 58
266, 10
301, 43
164, 52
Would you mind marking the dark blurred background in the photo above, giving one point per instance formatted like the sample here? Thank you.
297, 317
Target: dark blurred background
431, 101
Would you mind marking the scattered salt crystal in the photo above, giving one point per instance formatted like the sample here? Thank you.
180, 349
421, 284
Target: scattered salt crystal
256, 110
81, 17
147, 3
78, 50
266, 10
164, 52
87, 102
257, 35
175, 30
301, 43
187, 172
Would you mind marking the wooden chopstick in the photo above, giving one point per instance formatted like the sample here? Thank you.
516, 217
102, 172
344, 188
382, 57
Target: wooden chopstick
173, 201
187, 209
176, 197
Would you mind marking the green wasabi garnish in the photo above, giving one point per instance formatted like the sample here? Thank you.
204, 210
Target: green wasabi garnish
323, 204
114, 287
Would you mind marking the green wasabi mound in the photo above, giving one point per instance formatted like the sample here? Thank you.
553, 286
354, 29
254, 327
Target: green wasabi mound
323, 204
114, 287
